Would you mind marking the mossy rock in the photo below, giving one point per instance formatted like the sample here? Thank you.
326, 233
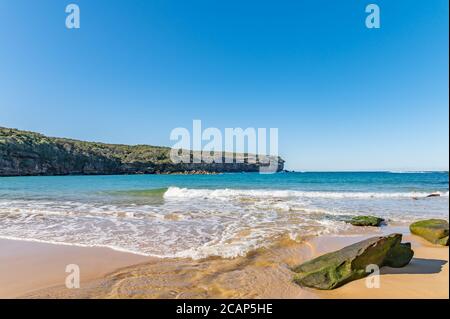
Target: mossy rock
366, 221
337, 268
433, 230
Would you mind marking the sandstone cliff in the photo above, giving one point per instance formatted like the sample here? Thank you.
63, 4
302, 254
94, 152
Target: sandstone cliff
25, 153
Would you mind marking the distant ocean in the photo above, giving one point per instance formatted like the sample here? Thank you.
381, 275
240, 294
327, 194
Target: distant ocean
207, 215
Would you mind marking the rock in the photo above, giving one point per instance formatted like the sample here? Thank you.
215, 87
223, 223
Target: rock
337, 268
443, 241
433, 230
366, 221
399, 255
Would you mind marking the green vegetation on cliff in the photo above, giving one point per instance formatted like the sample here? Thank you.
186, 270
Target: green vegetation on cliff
24, 140
29, 153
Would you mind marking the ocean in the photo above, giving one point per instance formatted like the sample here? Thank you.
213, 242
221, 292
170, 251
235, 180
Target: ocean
198, 216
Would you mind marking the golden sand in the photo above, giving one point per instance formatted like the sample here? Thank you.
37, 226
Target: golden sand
264, 273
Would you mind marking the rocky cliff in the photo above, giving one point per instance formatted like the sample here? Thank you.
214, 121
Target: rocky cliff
25, 153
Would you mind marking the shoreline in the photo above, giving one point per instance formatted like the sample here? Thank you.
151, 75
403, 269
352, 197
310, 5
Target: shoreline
27, 265
38, 271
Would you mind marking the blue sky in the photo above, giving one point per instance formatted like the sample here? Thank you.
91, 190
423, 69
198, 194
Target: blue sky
344, 97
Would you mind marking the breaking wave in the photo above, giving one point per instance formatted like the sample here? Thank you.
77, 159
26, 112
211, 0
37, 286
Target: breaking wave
224, 194
200, 222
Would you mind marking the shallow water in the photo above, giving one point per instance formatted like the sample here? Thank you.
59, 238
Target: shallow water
206, 215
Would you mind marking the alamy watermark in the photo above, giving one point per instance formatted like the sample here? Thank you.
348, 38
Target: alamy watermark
373, 19
73, 279
73, 16
373, 280
236, 145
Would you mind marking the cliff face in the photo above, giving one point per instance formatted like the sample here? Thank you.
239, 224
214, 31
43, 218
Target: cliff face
26, 153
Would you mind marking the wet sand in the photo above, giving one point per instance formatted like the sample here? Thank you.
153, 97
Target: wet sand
38, 272
26, 266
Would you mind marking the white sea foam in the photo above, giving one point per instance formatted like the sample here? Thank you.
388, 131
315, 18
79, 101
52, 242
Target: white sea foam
198, 223
187, 229
224, 194
410, 172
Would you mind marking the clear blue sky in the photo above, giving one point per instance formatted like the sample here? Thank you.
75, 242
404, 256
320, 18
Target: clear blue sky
343, 97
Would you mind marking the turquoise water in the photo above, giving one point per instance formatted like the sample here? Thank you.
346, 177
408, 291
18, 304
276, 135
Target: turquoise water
203, 215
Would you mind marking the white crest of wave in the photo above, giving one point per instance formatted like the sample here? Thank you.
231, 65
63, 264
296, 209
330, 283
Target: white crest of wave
226, 193
410, 172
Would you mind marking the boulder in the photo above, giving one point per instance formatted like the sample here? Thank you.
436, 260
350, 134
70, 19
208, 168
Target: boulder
366, 221
433, 230
337, 268
24, 153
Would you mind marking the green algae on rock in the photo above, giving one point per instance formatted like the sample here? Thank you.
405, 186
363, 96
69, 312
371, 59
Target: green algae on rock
337, 268
366, 221
433, 230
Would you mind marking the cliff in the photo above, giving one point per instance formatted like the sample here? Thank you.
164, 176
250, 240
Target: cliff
25, 153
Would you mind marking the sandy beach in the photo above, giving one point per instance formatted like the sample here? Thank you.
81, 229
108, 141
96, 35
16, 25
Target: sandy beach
37, 270
26, 266
227, 150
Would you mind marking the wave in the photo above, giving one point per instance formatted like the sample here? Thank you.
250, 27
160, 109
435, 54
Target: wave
184, 224
417, 172
226, 193
411, 172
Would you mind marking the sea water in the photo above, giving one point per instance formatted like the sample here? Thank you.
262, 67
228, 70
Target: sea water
209, 215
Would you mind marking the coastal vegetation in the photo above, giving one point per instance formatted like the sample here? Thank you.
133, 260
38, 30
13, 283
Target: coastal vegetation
30, 153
